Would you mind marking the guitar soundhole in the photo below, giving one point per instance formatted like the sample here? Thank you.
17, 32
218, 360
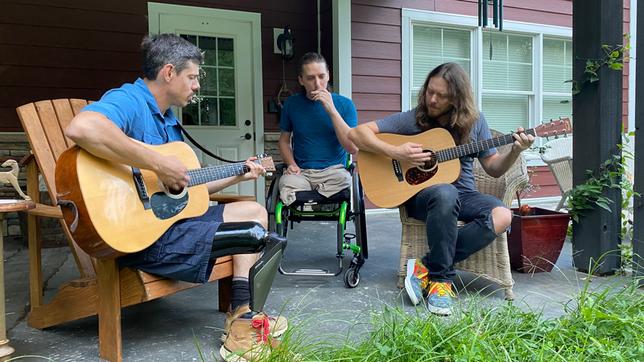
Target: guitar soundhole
420, 174
174, 192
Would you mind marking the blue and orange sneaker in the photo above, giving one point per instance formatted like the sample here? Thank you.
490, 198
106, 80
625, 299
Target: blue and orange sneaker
416, 280
440, 298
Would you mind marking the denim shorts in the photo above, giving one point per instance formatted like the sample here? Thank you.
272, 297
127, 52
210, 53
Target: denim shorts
183, 251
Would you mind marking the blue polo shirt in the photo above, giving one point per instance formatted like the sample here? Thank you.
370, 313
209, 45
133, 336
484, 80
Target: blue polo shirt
315, 145
135, 111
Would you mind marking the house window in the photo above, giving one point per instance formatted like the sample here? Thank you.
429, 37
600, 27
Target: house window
507, 90
518, 75
557, 68
216, 104
434, 46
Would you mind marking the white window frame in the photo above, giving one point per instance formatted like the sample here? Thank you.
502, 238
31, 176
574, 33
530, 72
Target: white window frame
465, 22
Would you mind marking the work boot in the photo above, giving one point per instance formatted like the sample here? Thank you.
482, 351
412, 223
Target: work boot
248, 339
277, 325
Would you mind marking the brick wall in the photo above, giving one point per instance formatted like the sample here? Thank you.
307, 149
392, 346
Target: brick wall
15, 146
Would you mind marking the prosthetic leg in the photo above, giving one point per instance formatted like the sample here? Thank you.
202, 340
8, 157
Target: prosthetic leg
249, 237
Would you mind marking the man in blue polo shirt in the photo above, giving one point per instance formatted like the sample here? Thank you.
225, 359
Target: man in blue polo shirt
186, 251
313, 141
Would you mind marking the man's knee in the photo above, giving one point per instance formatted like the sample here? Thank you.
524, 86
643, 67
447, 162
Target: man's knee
502, 219
246, 211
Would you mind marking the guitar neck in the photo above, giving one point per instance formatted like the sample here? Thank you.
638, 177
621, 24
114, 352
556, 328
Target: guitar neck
476, 147
202, 175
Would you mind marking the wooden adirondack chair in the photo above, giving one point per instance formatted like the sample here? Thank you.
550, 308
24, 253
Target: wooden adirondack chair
102, 288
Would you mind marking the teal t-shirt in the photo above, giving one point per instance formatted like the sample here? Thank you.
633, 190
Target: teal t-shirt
315, 145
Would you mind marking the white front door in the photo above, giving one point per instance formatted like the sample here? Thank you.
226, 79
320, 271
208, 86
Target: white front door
227, 119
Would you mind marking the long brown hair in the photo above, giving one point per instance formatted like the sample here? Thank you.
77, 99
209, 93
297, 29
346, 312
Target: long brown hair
464, 112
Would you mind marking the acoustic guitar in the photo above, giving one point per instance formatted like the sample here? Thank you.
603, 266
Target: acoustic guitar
113, 209
389, 183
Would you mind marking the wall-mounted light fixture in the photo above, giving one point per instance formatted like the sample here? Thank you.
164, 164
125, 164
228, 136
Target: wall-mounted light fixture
285, 43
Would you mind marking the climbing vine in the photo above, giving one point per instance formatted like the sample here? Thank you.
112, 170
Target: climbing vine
613, 58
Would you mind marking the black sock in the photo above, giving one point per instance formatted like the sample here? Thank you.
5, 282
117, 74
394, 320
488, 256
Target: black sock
241, 292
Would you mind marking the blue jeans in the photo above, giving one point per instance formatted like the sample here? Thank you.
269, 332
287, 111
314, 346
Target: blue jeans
441, 206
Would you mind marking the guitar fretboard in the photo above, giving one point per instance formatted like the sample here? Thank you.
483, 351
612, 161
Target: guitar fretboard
202, 175
476, 147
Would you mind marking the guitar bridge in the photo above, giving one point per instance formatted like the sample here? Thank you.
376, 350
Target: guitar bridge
140, 187
397, 170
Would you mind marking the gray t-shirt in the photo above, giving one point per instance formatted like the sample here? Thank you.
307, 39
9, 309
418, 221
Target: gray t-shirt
404, 123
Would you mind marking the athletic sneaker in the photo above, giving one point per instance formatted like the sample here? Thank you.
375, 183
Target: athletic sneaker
416, 280
440, 298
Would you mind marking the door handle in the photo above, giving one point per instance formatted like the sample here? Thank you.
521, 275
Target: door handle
247, 136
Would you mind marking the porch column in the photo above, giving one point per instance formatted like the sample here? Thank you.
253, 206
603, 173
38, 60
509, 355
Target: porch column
342, 46
638, 209
597, 111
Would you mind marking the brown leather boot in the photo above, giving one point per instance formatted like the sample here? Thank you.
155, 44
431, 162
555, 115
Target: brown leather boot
248, 340
277, 325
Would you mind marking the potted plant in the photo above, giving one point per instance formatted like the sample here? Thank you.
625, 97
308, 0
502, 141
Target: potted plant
536, 238
536, 235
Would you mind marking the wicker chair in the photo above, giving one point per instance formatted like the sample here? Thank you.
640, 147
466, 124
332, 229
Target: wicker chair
492, 262
558, 157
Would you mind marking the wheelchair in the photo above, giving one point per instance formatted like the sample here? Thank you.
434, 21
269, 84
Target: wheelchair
346, 205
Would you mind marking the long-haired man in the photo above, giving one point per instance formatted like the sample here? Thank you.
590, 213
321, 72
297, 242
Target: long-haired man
446, 101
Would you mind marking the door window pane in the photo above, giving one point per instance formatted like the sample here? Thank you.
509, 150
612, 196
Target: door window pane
227, 111
226, 82
209, 112
226, 56
208, 81
190, 114
216, 97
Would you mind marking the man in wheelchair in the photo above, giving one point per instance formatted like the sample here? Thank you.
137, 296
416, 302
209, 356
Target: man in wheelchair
317, 173
313, 142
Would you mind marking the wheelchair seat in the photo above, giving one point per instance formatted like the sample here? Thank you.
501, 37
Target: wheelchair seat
343, 206
314, 197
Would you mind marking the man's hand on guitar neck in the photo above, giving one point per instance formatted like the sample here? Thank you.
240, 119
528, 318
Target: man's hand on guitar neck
523, 140
411, 153
254, 169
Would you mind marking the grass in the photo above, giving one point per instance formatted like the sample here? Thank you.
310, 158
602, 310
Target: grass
605, 325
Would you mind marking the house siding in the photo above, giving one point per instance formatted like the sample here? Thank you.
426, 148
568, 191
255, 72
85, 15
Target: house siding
79, 49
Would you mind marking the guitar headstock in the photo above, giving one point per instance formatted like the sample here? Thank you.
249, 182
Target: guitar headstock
266, 161
554, 128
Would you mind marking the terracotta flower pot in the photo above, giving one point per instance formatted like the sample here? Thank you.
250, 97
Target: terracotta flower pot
536, 239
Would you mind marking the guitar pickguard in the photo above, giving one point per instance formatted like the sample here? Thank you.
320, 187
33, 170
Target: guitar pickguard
415, 176
418, 175
165, 206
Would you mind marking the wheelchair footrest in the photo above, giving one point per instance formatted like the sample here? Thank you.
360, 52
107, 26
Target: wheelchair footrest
310, 272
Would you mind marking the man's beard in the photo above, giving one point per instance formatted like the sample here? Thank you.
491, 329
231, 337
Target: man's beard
443, 118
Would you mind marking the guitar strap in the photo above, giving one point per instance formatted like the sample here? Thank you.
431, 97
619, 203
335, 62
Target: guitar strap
202, 148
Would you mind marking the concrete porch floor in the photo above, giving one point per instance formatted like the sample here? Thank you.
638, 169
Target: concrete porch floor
167, 329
